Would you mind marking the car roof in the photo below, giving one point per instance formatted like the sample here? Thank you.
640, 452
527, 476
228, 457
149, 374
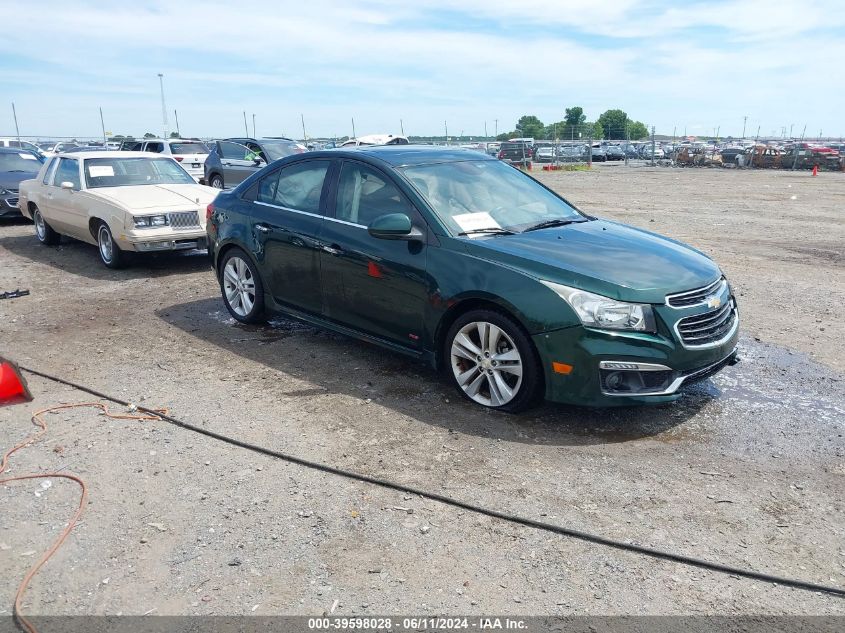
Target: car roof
110, 154
15, 150
404, 155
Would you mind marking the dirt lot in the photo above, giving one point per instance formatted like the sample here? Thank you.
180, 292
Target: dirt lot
747, 469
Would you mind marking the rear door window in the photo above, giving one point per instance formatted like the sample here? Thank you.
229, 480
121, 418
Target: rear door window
298, 187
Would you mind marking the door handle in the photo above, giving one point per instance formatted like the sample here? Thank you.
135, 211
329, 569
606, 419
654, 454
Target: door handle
227, 164
263, 228
334, 249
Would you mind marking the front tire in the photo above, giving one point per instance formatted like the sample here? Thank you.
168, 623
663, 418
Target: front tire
110, 253
492, 362
216, 181
43, 231
241, 287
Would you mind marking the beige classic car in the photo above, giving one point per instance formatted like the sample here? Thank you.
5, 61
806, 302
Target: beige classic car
122, 202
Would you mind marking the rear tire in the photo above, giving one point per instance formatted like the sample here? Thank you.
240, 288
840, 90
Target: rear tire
43, 231
110, 253
241, 287
491, 361
216, 181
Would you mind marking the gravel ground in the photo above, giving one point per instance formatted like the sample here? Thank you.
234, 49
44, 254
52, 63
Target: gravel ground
747, 469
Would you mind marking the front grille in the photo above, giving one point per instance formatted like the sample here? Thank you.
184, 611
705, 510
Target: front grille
702, 329
182, 220
12, 202
697, 296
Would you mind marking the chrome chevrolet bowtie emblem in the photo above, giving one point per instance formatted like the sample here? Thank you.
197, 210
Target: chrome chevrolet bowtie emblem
713, 302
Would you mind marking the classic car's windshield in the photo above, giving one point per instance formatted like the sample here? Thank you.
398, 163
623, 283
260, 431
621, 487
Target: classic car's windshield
120, 172
476, 195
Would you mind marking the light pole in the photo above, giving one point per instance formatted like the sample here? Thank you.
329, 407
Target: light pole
744, 121
253, 126
163, 107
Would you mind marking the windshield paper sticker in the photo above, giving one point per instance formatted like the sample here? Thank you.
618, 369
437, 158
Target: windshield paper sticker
97, 171
472, 221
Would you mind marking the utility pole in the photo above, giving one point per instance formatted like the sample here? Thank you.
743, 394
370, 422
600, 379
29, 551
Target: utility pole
104, 129
627, 141
163, 107
246, 129
402, 127
652, 146
496, 128
253, 126
15, 115
790, 129
796, 149
446, 128
485, 131
176, 117
304, 135
353, 128
744, 121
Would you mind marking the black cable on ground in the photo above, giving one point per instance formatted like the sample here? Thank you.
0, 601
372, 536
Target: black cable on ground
496, 514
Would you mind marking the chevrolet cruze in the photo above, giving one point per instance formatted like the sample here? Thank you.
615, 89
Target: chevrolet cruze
461, 260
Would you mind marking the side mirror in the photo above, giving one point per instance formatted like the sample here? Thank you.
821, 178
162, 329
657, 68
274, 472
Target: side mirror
67, 185
394, 226
258, 161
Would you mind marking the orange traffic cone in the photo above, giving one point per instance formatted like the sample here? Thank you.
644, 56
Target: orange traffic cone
815, 170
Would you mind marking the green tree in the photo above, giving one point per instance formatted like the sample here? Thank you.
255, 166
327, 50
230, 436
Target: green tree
637, 130
504, 136
597, 129
174, 135
530, 126
614, 123
149, 135
575, 116
557, 130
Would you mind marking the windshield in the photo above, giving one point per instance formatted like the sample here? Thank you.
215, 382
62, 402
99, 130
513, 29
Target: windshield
188, 148
472, 195
19, 161
120, 172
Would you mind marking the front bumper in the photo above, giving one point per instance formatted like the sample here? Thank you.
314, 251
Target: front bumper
9, 206
160, 240
650, 368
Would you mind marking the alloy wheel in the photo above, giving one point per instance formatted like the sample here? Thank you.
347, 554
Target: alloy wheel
239, 286
486, 363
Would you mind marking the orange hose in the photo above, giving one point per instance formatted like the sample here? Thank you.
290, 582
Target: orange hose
38, 421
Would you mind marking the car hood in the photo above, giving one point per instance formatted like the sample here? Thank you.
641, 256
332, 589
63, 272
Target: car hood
140, 197
13, 179
604, 257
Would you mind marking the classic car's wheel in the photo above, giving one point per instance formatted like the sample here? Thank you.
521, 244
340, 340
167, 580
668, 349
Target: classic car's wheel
43, 231
492, 361
216, 181
243, 292
110, 253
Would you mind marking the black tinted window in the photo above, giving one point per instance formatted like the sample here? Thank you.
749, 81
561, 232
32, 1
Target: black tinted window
297, 187
234, 151
364, 194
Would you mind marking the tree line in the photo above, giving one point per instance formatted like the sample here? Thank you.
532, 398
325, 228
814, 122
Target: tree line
611, 125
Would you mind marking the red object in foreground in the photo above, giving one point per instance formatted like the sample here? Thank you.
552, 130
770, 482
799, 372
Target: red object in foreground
13, 389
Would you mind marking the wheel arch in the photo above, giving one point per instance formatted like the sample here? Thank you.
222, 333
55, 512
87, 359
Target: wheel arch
467, 304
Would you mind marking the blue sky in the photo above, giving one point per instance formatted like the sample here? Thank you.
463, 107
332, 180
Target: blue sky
691, 66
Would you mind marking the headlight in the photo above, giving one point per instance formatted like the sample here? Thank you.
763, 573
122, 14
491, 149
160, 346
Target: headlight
150, 221
602, 312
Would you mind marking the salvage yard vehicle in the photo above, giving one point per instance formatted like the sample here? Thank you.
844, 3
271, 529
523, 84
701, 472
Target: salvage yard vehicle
232, 160
807, 156
455, 258
16, 165
189, 153
122, 202
516, 153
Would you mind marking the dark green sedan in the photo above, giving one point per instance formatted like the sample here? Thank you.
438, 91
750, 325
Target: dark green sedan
463, 261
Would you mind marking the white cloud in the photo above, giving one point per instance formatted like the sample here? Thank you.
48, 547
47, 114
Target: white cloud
380, 60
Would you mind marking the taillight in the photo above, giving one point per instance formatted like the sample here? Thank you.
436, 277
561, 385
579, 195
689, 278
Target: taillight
209, 211
179, 158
